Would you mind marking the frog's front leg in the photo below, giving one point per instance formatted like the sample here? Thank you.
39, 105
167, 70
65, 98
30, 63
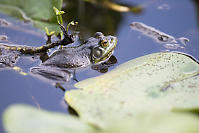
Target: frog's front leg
52, 74
103, 67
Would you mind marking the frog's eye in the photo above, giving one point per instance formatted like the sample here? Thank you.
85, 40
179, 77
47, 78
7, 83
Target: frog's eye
104, 43
98, 34
97, 52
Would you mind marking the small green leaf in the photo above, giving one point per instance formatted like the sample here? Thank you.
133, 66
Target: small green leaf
71, 23
59, 15
40, 13
58, 12
49, 33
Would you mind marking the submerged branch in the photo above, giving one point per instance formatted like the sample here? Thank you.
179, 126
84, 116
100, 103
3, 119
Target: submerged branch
29, 50
117, 7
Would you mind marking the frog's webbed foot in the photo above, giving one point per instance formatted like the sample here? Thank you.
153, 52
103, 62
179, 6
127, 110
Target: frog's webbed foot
8, 58
103, 67
52, 74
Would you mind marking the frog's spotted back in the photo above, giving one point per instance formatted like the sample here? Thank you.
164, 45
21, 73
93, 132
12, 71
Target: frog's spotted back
94, 50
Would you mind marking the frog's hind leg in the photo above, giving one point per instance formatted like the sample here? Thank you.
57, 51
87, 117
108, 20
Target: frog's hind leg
51, 74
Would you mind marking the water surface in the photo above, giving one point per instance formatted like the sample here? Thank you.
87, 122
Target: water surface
173, 17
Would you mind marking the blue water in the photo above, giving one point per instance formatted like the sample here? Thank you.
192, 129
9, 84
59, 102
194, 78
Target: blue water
178, 18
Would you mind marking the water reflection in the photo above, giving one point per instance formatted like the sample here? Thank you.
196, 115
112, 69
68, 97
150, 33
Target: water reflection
59, 76
178, 21
196, 3
95, 15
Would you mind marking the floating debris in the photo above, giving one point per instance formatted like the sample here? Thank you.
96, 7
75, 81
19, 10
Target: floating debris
3, 38
117, 7
4, 22
168, 41
7, 58
153, 33
183, 40
172, 46
163, 7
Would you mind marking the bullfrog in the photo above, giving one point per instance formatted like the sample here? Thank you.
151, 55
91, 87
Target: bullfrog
95, 51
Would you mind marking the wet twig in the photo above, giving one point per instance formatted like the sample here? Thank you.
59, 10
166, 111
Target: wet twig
29, 50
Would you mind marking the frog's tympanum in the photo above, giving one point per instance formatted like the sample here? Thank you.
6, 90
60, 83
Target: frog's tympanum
96, 52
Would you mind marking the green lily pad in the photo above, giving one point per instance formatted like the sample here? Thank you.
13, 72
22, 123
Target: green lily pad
26, 119
156, 82
158, 122
39, 12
